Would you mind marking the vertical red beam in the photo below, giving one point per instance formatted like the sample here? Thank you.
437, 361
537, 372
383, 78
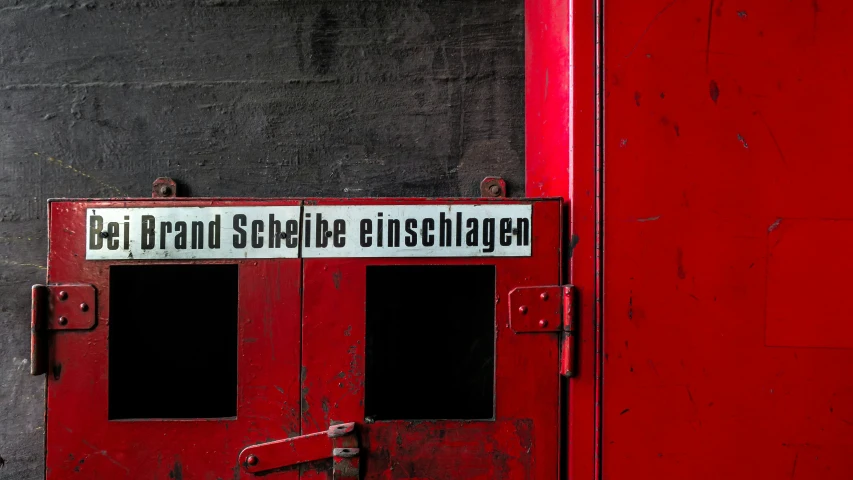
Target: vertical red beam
563, 160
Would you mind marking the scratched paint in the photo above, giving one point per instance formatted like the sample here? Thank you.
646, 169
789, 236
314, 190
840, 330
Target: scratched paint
724, 336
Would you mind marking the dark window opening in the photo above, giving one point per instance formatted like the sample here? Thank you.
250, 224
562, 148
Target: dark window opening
173, 341
430, 342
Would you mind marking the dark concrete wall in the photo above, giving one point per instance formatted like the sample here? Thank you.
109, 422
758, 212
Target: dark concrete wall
239, 98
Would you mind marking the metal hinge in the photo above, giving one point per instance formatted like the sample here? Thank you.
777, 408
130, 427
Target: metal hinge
546, 309
339, 442
58, 307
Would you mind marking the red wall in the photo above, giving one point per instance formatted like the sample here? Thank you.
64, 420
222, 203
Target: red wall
728, 227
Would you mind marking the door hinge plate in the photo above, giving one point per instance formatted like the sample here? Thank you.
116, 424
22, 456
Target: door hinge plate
58, 307
546, 309
536, 309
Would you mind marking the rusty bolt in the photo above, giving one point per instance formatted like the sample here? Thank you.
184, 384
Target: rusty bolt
543, 323
522, 309
165, 190
495, 190
105, 234
251, 460
84, 307
63, 321
63, 295
544, 296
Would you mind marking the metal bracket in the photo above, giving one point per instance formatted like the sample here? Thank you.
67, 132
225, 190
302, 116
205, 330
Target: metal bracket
567, 344
58, 307
164, 187
493, 187
339, 442
546, 309
536, 309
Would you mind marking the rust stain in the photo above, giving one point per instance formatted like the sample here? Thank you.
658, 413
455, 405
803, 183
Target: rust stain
714, 90
682, 274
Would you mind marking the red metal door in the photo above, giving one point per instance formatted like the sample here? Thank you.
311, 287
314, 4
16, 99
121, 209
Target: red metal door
234, 338
410, 313
83, 441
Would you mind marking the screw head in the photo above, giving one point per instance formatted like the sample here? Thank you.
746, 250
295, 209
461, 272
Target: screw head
251, 460
283, 235
63, 295
543, 323
63, 321
544, 296
495, 190
522, 309
84, 307
328, 234
105, 234
165, 190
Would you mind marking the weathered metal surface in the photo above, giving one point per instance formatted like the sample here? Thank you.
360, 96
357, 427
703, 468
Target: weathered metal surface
302, 372
536, 309
728, 227
523, 439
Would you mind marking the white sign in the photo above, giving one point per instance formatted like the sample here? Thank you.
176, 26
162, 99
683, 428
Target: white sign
192, 233
450, 230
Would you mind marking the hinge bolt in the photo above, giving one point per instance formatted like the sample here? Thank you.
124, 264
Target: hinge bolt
63, 295
544, 296
84, 307
543, 323
522, 309
63, 321
251, 460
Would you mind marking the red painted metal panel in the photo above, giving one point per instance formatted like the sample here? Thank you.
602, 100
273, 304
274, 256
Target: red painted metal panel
82, 442
727, 326
522, 441
563, 160
275, 400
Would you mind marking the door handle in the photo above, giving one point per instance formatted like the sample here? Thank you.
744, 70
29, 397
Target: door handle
339, 442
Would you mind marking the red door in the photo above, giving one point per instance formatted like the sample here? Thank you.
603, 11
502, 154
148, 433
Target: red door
187, 362
223, 339
422, 352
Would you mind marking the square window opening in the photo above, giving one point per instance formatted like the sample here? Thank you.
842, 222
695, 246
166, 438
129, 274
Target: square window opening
430, 346
173, 341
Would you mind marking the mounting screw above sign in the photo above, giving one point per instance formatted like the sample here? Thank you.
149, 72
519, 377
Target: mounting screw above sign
493, 187
164, 187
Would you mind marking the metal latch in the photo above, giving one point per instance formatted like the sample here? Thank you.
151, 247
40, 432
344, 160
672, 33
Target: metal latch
339, 442
546, 309
58, 307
